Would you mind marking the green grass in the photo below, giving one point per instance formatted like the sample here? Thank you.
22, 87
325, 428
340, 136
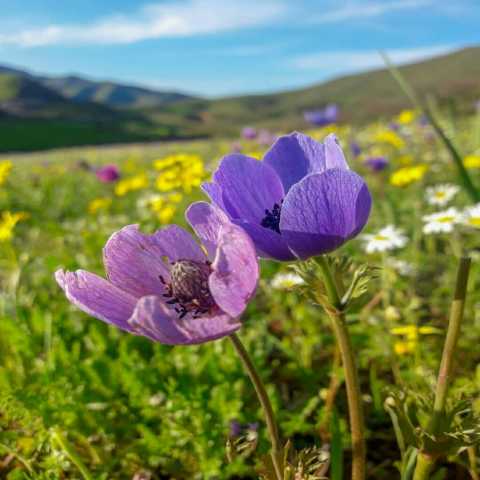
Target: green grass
123, 405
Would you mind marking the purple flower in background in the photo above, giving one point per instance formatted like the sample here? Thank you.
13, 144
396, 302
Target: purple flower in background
249, 133
394, 126
423, 121
322, 117
266, 137
237, 429
108, 173
355, 148
377, 164
301, 200
477, 105
165, 287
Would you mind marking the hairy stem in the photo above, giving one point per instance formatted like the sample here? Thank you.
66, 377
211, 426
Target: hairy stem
354, 396
276, 451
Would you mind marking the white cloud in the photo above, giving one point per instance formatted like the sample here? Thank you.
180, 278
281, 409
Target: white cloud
348, 61
157, 20
367, 9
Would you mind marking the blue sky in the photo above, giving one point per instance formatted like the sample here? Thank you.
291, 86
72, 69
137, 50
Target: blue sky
224, 47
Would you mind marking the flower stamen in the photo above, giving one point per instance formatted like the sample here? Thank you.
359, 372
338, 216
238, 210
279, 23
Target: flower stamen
188, 290
272, 218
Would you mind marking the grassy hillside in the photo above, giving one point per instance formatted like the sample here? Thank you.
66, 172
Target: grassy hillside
361, 96
76, 111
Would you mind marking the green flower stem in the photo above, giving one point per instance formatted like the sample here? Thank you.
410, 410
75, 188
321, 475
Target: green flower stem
354, 396
276, 451
453, 332
456, 157
426, 462
424, 466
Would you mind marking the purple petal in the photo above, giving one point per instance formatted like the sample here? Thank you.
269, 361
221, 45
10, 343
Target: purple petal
297, 155
334, 157
153, 319
235, 271
134, 262
269, 244
248, 186
214, 192
323, 211
207, 221
177, 244
97, 297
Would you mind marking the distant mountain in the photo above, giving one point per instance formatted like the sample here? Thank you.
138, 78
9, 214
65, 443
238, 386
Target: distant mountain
83, 111
110, 94
114, 95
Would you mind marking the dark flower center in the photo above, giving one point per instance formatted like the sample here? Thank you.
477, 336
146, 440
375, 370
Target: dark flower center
272, 218
188, 289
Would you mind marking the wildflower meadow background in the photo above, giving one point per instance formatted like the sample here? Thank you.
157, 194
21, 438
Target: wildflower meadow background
81, 399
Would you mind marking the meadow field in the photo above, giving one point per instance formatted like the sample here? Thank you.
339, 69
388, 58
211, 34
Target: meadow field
80, 399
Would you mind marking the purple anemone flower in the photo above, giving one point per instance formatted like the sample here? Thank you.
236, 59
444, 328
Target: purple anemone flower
377, 164
108, 173
322, 117
249, 133
167, 287
301, 200
355, 148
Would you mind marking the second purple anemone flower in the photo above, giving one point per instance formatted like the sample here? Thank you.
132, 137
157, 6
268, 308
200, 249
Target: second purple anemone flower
302, 200
167, 287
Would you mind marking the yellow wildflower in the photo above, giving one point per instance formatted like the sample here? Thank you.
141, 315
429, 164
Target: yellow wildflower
8, 221
402, 348
5, 168
472, 161
165, 206
406, 116
405, 159
99, 204
391, 138
406, 175
130, 184
254, 154
179, 171
411, 334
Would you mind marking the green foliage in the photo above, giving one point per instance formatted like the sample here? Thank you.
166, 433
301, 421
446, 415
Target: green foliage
79, 398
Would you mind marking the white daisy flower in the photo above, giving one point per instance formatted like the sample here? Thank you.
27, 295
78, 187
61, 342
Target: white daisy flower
441, 222
440, 195
388, 238
286, 281
401, 266
471, 216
